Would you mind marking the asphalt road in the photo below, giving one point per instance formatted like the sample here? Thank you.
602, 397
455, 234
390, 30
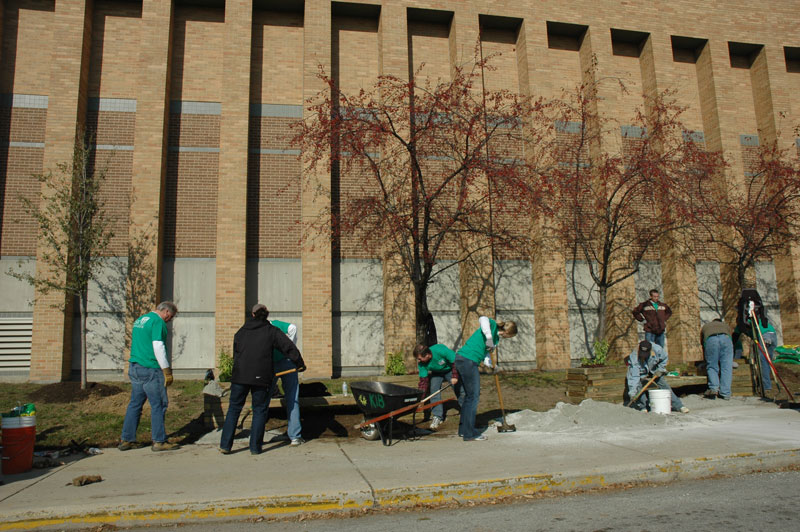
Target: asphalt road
766, 501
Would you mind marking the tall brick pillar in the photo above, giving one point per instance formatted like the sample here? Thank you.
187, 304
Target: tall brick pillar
398, 293
722, 127
678, 273
772, 93
51, 349
232, 190
476, 277
620, 298
150, 154
551, 318
316, 251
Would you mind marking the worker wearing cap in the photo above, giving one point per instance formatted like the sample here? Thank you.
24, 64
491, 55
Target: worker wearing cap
644, 362
253, 373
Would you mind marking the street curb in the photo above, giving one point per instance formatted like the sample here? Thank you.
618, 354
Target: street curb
432, 494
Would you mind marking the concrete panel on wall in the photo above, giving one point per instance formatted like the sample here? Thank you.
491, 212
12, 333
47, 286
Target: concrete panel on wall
767, 287
105, 343
582, 301
358, 316
105, 323
648, 278
444, 295
191, 283
278, 284
514, 301
709, 289
17, 294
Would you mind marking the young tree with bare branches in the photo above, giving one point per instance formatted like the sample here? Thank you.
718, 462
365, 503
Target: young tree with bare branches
74, 232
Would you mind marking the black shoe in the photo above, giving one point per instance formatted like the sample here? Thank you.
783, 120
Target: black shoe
710, 394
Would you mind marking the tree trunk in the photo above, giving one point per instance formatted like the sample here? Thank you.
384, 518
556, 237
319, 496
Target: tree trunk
421, 310
83, 303
600, 333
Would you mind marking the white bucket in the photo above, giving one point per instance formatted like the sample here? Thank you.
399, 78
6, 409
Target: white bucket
660, 401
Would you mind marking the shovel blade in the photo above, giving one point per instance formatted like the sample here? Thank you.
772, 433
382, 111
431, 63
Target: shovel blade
505, 427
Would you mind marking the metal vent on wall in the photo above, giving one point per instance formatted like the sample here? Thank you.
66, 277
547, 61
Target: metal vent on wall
15, 343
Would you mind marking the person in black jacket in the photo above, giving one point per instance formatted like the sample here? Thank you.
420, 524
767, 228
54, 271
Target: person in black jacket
253, 373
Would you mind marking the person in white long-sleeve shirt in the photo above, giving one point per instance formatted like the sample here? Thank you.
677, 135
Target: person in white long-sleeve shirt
476, 350
150, 373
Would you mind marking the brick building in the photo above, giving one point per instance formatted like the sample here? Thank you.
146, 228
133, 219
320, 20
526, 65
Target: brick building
189, 101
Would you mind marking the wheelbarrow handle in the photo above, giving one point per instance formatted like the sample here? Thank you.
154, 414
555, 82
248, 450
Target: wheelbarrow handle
400, 410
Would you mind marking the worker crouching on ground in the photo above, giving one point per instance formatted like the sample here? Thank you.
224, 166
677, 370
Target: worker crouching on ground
474, 351
718, 352
436, 364
645, 362
253, 373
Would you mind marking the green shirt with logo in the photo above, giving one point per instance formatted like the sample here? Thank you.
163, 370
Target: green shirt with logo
441, 362
146, 330
475, 347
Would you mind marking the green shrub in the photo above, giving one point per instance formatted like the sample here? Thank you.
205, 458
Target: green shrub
225, 366
600, 357
395, 364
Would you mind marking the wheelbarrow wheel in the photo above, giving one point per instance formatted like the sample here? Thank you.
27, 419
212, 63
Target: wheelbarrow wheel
370, 432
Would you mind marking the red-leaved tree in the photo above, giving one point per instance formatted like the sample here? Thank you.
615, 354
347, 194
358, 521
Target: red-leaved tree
614, 191
430, 170
750, 218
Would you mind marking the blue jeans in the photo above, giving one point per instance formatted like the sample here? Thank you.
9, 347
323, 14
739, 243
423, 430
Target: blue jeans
719, 363
470, 379
771, 339
291, 390
436, 383
643, 402
147, 384
654, 338
260, 396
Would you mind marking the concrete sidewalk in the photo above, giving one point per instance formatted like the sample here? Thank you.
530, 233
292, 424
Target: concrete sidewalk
139, 486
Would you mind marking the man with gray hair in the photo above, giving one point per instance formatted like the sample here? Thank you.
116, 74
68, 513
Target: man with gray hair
150, 373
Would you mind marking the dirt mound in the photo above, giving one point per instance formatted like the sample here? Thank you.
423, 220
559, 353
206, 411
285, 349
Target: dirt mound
70, 392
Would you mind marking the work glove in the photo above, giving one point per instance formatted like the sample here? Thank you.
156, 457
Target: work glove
487, 361
660, 373
167, 376
301, 368
643, 379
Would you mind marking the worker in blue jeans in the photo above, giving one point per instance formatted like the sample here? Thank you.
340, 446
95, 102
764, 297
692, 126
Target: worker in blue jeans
718, 352
290, 383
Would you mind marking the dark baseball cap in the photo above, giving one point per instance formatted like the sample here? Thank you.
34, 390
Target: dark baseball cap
645, 347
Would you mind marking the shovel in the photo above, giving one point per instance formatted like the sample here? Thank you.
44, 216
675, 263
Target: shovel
505, 427
643, 389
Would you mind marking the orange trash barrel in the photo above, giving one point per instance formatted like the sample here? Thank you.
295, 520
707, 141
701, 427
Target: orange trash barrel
19, 434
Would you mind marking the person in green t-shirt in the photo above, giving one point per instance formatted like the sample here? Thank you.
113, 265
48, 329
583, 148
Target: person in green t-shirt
437, 364
474, 351
150, 373
291, 384
770, 341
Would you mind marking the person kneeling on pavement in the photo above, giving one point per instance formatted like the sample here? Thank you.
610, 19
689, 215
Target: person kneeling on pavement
437, 364
645, 362
253, 373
